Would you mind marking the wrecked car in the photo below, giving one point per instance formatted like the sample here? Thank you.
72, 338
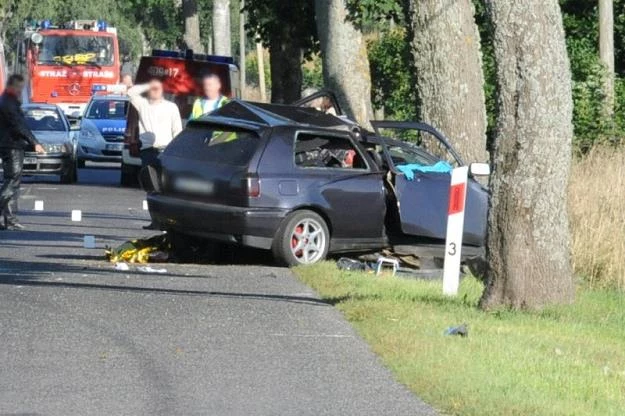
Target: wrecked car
304, 183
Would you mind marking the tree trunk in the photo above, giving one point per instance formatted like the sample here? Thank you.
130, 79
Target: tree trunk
285, 60
222, 42
450, 81
192, 38
528, 246
260, 58
242, 39
345, 61
606, 51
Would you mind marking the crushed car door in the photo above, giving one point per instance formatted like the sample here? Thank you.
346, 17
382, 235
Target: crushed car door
421, 170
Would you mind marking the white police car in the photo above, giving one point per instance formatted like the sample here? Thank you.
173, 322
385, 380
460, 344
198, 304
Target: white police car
101, 135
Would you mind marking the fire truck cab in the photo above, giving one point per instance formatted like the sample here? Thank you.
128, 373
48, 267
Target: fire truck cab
181, 74
62, 63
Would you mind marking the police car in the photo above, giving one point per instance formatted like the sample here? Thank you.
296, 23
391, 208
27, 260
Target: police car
101, 135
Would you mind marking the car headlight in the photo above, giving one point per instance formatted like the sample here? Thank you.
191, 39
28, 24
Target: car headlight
89, 133
56, 148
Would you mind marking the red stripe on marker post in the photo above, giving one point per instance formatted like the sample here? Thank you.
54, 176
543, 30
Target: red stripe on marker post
455, 230
457, 194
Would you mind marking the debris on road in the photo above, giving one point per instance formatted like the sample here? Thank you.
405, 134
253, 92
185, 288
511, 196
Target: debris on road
153, 249
88, 241
148, 269
462, 330
122, 267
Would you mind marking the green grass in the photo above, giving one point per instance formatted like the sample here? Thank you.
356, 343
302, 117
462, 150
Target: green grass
562, 361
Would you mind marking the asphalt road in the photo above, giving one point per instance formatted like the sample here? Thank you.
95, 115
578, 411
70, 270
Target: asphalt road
78, 337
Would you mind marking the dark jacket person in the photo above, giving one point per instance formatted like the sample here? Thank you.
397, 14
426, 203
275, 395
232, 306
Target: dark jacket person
15, 137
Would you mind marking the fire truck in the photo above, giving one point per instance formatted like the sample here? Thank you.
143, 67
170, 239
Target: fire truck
62, 63
181, 73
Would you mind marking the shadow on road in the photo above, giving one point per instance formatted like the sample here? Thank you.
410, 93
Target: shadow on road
24, 273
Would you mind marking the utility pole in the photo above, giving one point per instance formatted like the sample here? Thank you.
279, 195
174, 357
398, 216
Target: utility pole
606, 51
242, 38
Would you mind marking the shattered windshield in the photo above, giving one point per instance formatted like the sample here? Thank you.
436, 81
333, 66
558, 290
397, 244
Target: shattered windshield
77, 50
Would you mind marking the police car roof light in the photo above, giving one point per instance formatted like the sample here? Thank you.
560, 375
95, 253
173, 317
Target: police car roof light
161, 53
220, 59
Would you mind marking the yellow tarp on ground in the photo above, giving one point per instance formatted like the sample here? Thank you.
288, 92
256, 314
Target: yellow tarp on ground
139, 251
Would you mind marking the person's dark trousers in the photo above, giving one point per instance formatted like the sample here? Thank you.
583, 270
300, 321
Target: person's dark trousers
12, 165
149, 157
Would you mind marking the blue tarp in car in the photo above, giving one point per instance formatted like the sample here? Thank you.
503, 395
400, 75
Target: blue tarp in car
438, 167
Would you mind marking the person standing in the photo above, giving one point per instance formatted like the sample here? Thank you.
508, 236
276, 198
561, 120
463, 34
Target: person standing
212, 99
158, 121
15, 136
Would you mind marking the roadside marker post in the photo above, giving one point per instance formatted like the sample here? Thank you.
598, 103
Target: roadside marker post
76, 215
455, 229
38, 205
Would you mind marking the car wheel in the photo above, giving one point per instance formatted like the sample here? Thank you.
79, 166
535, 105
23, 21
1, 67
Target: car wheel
303, 238
71, 176
81, 164
129, 176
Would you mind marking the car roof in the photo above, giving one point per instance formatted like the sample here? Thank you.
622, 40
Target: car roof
258, 115
42, 106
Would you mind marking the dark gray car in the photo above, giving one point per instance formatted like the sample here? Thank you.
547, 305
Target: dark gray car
301, 183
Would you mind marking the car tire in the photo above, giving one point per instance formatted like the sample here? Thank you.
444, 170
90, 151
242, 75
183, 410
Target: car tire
129, 176
71, 176
302, 239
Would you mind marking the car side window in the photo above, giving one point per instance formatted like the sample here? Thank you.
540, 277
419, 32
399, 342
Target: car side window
326, 151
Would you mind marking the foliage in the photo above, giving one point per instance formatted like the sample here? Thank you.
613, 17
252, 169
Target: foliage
313, 73
276, 21
562, 361
251, 70
392, 75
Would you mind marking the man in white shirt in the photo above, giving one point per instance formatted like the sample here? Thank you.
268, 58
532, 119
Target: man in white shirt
159, 120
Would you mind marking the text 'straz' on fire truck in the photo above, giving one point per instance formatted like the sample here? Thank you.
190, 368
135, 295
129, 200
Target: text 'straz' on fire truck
181, 73
62, 63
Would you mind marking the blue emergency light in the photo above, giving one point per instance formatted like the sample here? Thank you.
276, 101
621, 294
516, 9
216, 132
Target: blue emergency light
97, 88
102, 25
160, 53
188, 54
46, 24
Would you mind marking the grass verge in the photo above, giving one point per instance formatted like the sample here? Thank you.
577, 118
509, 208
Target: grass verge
561, 361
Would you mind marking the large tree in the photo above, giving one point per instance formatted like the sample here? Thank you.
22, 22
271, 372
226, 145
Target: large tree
192, 37
345, 61
450, 82
288, 30
222, 41
528, 247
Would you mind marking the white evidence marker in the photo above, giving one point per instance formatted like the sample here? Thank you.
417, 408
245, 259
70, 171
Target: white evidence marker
76, 215
38, 205
145, 205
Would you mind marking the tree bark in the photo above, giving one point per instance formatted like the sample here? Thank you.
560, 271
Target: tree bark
345, 61
528, 246
192, 38
450, 81
285, 60
222, 42
606, 51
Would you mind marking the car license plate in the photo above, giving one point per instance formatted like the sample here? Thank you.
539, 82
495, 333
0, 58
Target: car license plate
192, 185
30, 160
116, 147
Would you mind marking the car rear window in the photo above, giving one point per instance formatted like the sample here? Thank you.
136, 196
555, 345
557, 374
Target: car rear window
222, 145
108, 109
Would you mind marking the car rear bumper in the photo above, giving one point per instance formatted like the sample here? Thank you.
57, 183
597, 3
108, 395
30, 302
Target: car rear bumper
47, 164
252, 227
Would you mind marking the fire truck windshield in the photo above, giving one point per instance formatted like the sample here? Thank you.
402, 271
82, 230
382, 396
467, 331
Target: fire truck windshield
77, 50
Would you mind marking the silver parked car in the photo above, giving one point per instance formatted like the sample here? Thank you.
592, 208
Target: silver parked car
52, 129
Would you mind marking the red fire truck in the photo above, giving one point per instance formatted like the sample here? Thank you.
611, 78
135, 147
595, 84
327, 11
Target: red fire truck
61, 63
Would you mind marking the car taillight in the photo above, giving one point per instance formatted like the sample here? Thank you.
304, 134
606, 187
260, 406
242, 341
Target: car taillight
252, 186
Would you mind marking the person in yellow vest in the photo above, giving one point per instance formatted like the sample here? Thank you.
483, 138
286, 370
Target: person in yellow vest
212, 99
